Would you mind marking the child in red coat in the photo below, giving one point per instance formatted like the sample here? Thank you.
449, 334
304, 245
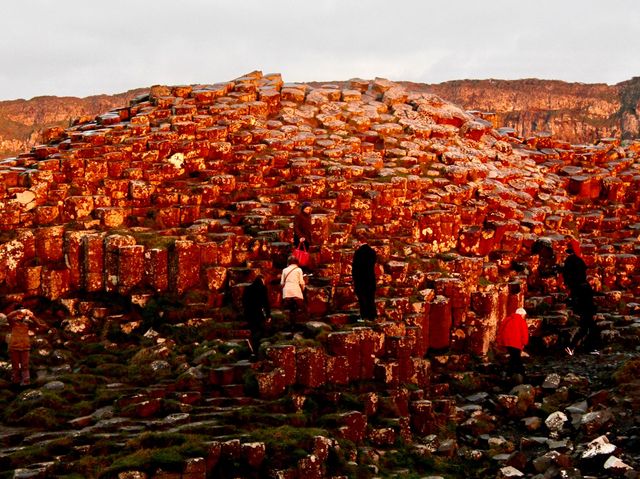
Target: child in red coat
513, 335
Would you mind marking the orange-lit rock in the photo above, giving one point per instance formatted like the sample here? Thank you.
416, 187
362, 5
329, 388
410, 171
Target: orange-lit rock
184, 266
440, 322
354, 426
92, 257
54, 283
284, 358
130, 267
310, 367
189, 192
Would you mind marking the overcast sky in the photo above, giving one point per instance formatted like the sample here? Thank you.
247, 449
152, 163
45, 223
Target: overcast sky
86, 47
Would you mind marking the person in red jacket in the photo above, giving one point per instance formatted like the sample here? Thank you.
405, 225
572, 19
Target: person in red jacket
513, 335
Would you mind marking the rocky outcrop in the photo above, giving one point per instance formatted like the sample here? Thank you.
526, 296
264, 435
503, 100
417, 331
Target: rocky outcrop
574, 112
134, 233
23, 121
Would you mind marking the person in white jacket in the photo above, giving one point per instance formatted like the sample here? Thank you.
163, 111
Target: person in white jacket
292, 282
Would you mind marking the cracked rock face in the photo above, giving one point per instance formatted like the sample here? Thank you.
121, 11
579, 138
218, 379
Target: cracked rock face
134, 234
575, 112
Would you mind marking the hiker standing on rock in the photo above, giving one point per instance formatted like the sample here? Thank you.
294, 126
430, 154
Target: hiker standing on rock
574, 270
302, 235
588, 335
574, 275
257, 311
19, 343
364, 279
292, 282
513, 334
302, 226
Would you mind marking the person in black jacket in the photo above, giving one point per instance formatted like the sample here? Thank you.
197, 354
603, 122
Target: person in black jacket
257, 311
588, 335
364, 279
574, 271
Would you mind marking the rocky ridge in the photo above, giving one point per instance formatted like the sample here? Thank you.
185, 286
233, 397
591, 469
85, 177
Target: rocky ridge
23, 121
134, 233
574, 112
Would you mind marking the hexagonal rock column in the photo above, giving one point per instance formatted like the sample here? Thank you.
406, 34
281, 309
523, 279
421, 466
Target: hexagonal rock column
92, 253
156, 269
77, 207
54, 283
284, 357
422, 372
346, 345
337, 372
371, 344
311, 367
318, 299
73, 256
130, 267
387, 373
354, 426
49, 243
422, 417
401, 348
271, 384
457, 291
439, 323
490, 306
112, 245
29, 278
184, 266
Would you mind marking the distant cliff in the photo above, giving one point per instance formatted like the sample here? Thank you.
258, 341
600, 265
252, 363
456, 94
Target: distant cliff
575, 112
22, 121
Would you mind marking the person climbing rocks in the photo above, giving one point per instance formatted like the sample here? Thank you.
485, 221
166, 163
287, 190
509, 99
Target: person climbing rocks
302, 236
364, 279
302, 225
21, 321
257, 311
588, 336
574, 276
513, 335
573, 270
292, 282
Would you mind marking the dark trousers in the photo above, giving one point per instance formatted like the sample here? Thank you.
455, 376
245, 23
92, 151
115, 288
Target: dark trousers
588, 335
257, 328
297, 310
366, 300
19, 366
515, 365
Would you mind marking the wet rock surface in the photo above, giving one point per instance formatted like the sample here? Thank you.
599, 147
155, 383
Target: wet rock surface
134, 234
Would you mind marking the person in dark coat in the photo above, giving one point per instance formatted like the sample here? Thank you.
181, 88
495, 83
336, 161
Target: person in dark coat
574, 271
588, 335
302, 226
257, 311
364, 280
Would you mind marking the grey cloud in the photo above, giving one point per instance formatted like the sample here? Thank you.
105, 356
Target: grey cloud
79, 48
